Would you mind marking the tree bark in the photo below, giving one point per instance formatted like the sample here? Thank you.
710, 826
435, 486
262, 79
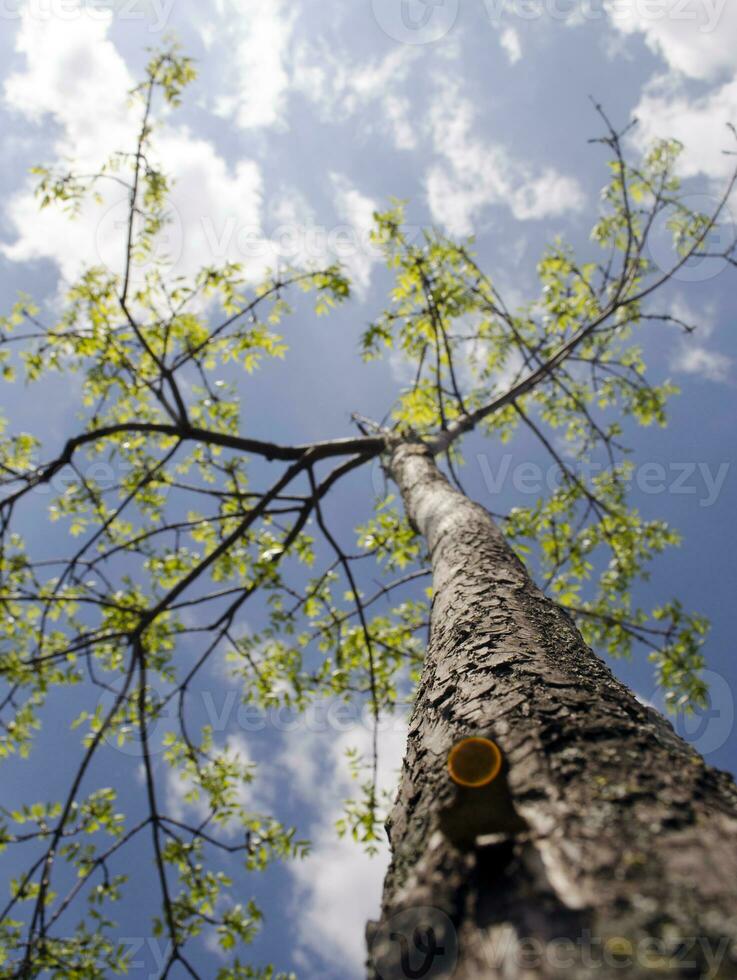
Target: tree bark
623, 860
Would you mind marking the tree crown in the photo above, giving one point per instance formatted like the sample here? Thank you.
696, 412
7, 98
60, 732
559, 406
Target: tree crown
154, 568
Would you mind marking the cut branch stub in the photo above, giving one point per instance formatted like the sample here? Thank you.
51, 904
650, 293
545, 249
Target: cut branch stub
474, 762
481, 805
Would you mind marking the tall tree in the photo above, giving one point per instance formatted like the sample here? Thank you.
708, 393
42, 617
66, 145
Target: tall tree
603, 834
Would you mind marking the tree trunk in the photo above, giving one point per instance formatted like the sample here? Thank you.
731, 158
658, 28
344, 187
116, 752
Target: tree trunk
622, 861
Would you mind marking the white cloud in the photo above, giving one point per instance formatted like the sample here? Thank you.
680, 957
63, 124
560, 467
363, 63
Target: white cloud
666, 111
478, 174
398, 114
691, 357
510, 42
707, 364
291, 207
215, 216
219, 207
294, 228
295, 235
698, 39
74, 76
372, 78
339, 890
703, 320
339, 87
338, 887
255, 37
354, 249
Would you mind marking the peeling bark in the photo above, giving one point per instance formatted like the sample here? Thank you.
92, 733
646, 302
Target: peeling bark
624, 861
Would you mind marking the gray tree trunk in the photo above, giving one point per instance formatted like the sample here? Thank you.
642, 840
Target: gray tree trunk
622, 859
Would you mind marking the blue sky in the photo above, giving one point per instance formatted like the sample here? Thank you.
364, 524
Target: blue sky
305, 118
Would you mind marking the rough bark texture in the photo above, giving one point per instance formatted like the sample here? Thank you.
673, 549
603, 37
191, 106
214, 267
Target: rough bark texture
624, 863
